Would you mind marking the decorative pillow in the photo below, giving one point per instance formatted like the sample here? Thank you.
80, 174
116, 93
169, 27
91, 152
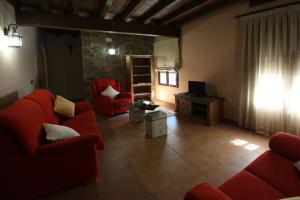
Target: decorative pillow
297, 165
64, 107
111, 92
57, 132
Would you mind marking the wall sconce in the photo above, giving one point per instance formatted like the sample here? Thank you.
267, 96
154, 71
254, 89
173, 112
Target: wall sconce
14, 39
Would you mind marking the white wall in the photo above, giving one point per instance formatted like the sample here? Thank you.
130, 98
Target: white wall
18, 66
210, 53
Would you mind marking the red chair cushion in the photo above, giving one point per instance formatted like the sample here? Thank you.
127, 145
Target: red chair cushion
25, 118
246, 186
122, 102
102, 83
278, 172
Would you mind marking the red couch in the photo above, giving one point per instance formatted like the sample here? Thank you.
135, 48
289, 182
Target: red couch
107, 105
30, 167
271, 176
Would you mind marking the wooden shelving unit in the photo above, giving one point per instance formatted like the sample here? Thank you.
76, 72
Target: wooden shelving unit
140, 76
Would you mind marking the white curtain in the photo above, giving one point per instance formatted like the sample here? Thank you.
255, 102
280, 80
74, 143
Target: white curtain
270, 71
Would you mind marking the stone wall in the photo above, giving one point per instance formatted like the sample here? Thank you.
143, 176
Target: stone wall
96, 63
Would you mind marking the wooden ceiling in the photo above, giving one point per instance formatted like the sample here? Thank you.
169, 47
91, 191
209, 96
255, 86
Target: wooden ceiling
147, 17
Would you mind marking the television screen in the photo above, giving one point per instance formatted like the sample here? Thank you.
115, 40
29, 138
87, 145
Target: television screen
197, 88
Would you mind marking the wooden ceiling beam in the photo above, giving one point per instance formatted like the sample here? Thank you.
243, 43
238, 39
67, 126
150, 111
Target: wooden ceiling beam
127, 10
102, 8
160, 5
182, 9
46, 20
75, 7
208, 8
258, 2
44, 4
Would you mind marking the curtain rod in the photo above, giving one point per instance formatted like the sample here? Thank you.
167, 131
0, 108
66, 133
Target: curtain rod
267, 9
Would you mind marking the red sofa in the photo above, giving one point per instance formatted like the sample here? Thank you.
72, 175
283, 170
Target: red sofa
271, 176
31, 167
107, 105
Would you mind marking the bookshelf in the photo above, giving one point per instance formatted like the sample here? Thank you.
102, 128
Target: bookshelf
139, 76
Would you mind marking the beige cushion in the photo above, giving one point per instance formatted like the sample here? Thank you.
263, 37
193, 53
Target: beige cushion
56, 132
64, 107
111, 92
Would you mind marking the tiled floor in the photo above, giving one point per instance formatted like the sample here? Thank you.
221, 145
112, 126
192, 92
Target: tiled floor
133, 167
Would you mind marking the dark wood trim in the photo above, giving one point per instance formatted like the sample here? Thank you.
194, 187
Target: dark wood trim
160, 5
127, 10
253, 3
186, 7
47, 20
206, 9
76, 7
102, 8
267, 9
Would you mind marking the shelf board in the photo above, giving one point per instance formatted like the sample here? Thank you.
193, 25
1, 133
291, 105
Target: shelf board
141, 75
142, 94
142, 84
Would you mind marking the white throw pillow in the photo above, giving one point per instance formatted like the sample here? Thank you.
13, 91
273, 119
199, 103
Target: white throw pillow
111, 92
57, 132
297, 165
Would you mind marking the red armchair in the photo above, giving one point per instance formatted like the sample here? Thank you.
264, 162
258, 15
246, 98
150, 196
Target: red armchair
107, 105
271, 176
31, 167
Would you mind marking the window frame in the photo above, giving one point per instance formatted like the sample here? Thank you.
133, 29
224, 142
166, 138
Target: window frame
167, 74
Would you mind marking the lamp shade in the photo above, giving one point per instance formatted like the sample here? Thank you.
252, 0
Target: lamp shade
14, 40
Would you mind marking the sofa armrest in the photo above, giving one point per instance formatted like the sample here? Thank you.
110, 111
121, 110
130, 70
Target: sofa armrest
76, 142
82, 106
205, 191
126, 95
286, 145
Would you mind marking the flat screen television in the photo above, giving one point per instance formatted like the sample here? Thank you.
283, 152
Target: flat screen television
197, 88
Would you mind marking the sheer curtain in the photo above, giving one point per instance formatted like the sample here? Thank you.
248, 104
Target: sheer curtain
270, 71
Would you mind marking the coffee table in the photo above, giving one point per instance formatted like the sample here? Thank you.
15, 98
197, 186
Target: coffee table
137, 111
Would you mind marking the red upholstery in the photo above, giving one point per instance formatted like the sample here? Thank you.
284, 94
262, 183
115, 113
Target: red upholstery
31, 168
206, 191
271, 176
106, 105
245, 186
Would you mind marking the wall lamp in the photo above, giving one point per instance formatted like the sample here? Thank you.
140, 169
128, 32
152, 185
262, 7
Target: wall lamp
14, 39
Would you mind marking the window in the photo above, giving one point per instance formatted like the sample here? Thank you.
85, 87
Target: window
168, 78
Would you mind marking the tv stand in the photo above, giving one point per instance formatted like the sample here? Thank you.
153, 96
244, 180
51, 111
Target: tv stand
208, 109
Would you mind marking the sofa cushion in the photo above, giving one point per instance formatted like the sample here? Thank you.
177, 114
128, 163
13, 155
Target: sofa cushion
46, 100
111, 92
278, 172
246, 186
57, 132
64, 107
122, 102
87, 128
81, 118
25, 118
286, 145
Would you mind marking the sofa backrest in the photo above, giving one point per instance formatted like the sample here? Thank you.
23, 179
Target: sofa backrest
24, 118
46, 100
286, 145
101, 84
